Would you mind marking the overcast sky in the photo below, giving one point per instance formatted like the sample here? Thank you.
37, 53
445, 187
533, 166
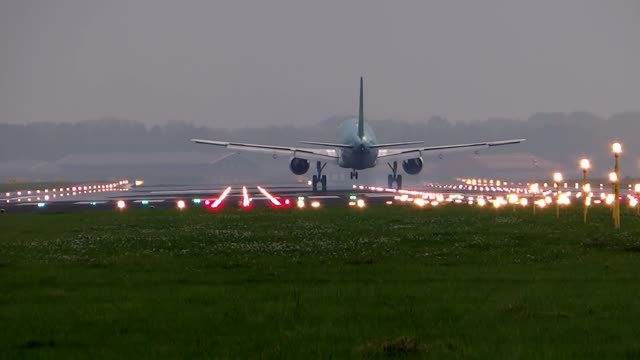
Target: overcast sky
255, 63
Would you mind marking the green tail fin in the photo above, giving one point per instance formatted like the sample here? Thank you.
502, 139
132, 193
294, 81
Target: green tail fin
361, 114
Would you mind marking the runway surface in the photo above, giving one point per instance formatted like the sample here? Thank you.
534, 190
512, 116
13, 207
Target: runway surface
124, 194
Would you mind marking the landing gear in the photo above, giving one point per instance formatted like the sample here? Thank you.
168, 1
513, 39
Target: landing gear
394, 177
322, 179
354, 175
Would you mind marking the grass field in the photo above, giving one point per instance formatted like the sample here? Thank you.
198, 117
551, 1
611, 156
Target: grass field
336, 282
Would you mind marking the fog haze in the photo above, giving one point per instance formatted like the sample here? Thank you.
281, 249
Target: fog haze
234, 64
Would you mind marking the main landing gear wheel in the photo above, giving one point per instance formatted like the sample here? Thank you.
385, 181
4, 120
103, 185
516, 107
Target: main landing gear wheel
354, 175
322, 179
394, 177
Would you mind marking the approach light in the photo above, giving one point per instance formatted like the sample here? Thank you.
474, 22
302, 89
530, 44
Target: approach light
616, 148
360, 203
315, 204
216, 203
121, 204
246, 202
585, 164
420, 202
609, 199
557, 177
181, 205
275, 202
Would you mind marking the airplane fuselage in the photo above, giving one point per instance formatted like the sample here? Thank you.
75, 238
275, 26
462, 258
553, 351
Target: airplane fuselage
359, 156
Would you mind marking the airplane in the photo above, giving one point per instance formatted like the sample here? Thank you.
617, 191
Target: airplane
358, 149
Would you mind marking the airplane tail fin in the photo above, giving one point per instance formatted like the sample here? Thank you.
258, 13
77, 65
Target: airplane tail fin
361, 114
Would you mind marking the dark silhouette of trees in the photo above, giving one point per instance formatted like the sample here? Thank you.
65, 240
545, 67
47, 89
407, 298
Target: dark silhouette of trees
559, 137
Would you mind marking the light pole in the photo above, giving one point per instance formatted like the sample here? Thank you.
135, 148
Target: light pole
557, 178
636, 188
585, 165
617, 149
533, 189
613, 178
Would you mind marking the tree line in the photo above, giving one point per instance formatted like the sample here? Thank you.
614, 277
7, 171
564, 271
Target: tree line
560, 137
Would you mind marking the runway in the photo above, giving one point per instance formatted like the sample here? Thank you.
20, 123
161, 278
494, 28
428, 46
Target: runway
168, 196
125, 194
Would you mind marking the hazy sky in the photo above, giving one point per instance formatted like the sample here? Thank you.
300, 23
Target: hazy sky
253, 63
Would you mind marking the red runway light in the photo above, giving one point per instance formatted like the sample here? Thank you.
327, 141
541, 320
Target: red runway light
246, 203
275, 202
214, 204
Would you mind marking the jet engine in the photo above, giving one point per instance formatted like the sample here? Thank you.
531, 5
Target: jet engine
412, 166
298, 166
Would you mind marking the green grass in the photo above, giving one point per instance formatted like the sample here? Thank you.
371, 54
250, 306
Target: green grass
337, 282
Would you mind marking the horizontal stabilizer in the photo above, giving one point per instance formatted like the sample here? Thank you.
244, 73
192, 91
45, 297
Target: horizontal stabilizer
380, 146
343, 146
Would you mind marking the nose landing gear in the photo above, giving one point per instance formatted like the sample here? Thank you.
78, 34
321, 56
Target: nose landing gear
354, 175
394, 177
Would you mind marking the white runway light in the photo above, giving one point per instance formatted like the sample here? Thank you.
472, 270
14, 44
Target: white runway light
181, 204
121, 204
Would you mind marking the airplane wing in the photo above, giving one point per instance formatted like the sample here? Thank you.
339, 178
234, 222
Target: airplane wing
408, 153
305, 153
